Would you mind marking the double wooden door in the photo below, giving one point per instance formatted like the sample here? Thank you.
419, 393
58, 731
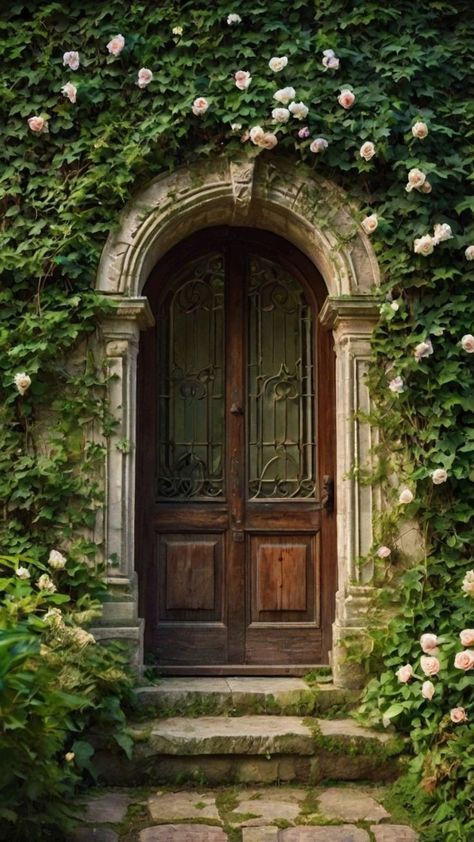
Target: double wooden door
235, 525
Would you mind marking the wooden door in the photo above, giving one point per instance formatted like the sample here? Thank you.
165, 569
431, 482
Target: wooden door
235, 525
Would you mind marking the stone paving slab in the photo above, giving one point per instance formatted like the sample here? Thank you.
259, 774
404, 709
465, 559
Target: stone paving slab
92, 834
351, 805
171, 806
394, 833
339, 833
265, 810
111, 807
183, 833
349, 728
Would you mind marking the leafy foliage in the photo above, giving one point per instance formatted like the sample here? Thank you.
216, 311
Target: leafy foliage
61, 193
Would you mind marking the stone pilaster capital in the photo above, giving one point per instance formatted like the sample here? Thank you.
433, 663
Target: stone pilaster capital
360, 310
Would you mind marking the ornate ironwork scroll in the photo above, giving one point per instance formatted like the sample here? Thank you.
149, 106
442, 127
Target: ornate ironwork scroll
191, 384
281, 450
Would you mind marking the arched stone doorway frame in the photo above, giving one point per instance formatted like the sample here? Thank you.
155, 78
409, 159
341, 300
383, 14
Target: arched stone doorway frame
316, 217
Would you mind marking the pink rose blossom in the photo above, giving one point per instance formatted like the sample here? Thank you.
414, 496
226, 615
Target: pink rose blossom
367, 150
464, 660
397, 385
71, 59
457, 715
200, 106
429, 664
116, 45
426, 187
269, 140
384, 552
242, 79
346, 98
429, 643
427, 690
469, 253
467, 637
319, 145
304, 133
330, 60
404, 673
38, 124
468, 583
467, 343
145, 76
419, 130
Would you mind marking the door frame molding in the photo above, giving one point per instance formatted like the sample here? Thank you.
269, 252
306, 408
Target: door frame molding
317, 217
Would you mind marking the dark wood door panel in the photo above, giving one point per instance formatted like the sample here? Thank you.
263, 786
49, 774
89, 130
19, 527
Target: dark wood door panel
189, 643
190, 577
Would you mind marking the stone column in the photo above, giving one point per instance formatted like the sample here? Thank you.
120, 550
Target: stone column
352, 319
120, 337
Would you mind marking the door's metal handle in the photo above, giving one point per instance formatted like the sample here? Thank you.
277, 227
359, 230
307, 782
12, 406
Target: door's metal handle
327, 498
236, 409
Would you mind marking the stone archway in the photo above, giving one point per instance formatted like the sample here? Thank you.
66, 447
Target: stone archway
316, 217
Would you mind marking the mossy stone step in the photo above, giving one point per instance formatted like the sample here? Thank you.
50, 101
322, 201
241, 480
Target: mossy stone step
197, 696
261, 749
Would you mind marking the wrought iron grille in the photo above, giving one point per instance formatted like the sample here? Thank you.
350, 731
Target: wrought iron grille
280, 427
191, 384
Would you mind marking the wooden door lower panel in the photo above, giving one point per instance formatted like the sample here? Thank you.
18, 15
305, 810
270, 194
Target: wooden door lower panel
283, 598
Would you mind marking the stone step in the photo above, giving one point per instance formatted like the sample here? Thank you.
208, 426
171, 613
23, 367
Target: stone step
195, 696
261, 749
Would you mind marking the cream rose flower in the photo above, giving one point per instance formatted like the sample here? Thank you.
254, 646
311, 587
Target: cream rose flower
277, 63
145, 76
177, 30
426, 187
457, 715
405, 496
384, 552
395, 306
319, 144
54, 617
71, 59
439, 476
424, 245
370, 223
416, 179
346, 98
442, 231
70, 91
467, 637
397, 385
464, 660
299, 110
427, 690
419, 129
467, 343
242, 79
69, 756
44, 583
404, 673
429, 643
233, 18
236, 127
330, 60
256, 135
56, 560
269, 140
38, 124
423, 349
468, 582
22, 382
469, 253
23, 573
200, 106
81, 637
116, 45
367, 150
280, 115
284, 95
430, 665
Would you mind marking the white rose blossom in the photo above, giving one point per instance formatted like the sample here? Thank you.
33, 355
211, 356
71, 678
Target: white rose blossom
467, 343
424, 245
44, 583
242, 79
145, 76
405, 497
416, 180
370, 223
427, 690
236, 127
71, 59
200, 106
266, 140
70, 91
367, 150
395, 305
116, 45
233, 19
280, 115
419, 129
177, 30
469, 253
69, 756
56, 560
439, 476
330, 60
319, 144
298, 109
442, 231
404, 673
23, 573
397, 385
22, 382
284, 95
277, 63
423, 349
